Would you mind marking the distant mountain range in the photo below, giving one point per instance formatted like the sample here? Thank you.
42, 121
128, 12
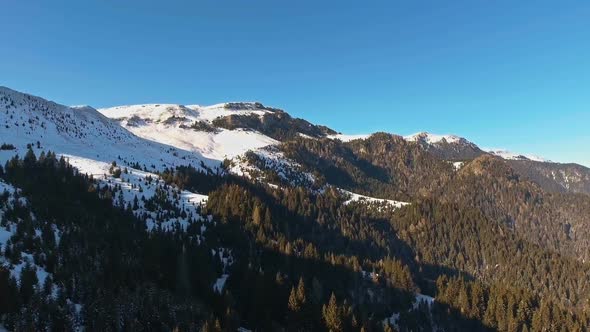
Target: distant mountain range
210, 134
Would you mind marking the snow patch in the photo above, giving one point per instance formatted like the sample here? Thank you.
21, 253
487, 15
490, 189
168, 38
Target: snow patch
220, 283
421, 298
457, 165
508, 155
366, 199
348, 138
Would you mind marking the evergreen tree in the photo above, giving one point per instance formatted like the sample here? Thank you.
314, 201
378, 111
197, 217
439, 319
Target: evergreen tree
332, 314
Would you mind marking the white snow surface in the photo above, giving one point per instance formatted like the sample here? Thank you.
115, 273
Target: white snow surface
91, 142
130, 184
169, 124
348, 138
161, 112
272, 159
421, 298
220, 283
82, 132
457, 165
432, 138
362, 198
508, 155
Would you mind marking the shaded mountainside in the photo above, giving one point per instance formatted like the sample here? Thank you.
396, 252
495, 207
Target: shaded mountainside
387, 166
459, 237
276, 124
557, 221
382, 165
555, 177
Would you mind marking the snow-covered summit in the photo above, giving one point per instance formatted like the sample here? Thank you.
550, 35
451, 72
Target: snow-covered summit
433, 138
448, 147
508, 155
81, 132
162, 112
190, 127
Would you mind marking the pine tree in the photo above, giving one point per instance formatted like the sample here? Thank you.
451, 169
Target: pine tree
301, 297
30, 158
267, 218
257, 215
294, 304
332, 315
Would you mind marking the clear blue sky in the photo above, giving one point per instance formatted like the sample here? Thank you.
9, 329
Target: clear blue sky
511, 74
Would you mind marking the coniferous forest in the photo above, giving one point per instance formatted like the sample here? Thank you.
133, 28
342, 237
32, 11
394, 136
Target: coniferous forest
292, 258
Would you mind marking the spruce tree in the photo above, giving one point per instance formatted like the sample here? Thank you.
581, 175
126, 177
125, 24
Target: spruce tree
332, 315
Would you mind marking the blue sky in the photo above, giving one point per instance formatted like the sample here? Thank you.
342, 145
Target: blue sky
510, 74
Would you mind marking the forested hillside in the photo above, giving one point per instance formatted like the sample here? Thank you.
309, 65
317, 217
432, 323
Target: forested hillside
239, 217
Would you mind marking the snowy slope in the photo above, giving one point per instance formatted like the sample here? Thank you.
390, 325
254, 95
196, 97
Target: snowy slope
82, 132
9, 227
91, 142
515, 156
161, 112
366, 199
348, 138
271, 159
136, 184
171, 124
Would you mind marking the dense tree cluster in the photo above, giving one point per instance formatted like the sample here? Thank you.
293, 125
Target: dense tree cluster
501, 308
276, 124
100, 258
6, 146
200, 126
301, 259
383, 165
557, 221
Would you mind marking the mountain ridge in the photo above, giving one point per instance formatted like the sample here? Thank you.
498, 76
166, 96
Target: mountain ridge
221, 210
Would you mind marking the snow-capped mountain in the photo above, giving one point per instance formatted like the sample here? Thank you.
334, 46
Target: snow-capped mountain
98, 146
159, 136
448, 147
508, 155
433, 138
81, 132
190, 127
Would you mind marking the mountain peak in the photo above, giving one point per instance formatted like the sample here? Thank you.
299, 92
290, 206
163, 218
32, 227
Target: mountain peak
448, 147
246, 106
433, 138
84, 108
162, 112
508, 155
